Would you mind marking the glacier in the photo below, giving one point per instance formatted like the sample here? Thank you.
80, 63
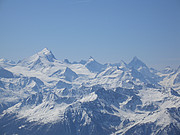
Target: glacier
43, 95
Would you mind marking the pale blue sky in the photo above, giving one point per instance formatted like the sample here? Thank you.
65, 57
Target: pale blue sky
108, 30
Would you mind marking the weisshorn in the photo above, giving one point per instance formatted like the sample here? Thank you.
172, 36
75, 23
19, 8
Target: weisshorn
42, 95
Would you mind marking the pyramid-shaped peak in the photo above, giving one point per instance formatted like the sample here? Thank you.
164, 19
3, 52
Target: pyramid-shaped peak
37, 60
47, 54
135, 58
69, 74
68, 69
91, 58
93, 65
45, 51
66, 61
136, 63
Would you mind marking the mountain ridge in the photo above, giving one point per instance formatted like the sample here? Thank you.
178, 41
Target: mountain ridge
42, 95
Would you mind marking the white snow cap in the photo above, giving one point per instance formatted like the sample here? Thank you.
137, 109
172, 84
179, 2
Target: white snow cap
45, 51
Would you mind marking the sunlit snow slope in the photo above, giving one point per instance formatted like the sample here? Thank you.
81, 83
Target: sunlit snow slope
42, 95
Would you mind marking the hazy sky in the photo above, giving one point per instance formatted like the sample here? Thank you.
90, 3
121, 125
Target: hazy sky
108, 30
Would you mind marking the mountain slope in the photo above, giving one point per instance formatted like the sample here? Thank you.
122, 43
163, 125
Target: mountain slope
39, 60
5, 73
42, 95
94, 66
6, 63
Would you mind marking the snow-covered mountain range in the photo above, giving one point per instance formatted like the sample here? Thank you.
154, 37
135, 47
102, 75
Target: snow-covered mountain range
42, 95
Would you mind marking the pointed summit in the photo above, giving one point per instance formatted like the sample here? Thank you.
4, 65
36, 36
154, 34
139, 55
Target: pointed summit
66, 61
93, 65
47, 54
91, 58
142, 72
45, 50
136, 63
69, 74
38, 60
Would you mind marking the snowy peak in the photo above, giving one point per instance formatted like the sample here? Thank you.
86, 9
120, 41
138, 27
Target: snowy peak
66, 61
91, 59
83, 62
45, 51
93, 65
43, 95
136, 63
69, 74
38, 60
142, 72
66, 74
46, 54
